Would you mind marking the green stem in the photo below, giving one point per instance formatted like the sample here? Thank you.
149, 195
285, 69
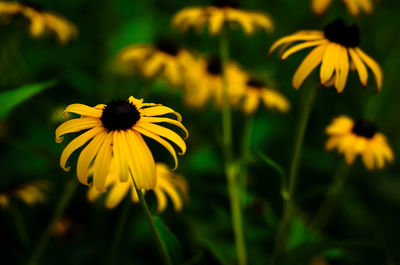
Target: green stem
331, 197
118, 231
161, 247
19, 224
246, 155
289, 203
59, 211
230, 168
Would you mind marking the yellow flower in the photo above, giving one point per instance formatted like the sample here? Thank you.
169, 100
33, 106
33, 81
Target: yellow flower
354, 6
333, 49
164, 58
168, 183
204, 82
30, 193
257, 91
40, 21
353, 138
115, 131
222, 11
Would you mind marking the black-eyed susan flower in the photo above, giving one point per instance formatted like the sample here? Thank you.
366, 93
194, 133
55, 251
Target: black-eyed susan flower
221, 12
256, 92
30, 193
334, 48
40, 21
168, 183
165, 58
352, 138
114, 131
204, 82
354, 6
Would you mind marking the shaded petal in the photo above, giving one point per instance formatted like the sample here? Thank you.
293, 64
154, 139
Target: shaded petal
166, 120
376, 69
361, 69
342, 70
83, 110
299, 36
120, 154
320, 6
329, 61
76, 143
159, 110
117, 193
301, 46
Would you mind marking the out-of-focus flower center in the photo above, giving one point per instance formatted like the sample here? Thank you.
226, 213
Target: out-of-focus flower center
168, 46
364, 129
256, 83
214, 66
345, 34
119, 115
225, 3
32, 5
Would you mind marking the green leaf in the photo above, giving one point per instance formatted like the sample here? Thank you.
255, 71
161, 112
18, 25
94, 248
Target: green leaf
11, 99
169, 240
305, 252
277, 168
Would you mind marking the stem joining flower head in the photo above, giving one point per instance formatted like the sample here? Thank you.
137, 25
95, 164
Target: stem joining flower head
343, 33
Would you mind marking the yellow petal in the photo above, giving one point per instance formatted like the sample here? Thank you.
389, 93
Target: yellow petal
319, 6
87, 155
117, 193
342, 70
312, 60
160, 110
301, 46
102, 163
83, 110
75, 125
300, 36
216, 21
361, 69
166, 120
120, 155
161, 200
329, 61
76, 143
376, 69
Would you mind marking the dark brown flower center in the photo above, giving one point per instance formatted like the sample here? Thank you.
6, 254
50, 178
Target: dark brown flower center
256, 83
364, 129
225, 3
168, 46
119, 115
345, 34
32, 5
214, 66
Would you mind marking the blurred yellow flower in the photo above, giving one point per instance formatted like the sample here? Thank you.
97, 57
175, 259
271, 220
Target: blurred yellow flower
30, 193
204, 82
256, 91
165, 58
353, 138
354, 6
333, 49
115, 131
168, 183
221, 12
40, 21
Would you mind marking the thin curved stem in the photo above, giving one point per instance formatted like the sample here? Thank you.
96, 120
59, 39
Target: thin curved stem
289, 206
161, 247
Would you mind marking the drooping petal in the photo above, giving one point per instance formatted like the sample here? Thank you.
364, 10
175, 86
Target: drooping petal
216, 21
343, 70
102, 163
319, 6
120, 155
160, 140
166, 120
87, 155
301, 46
376, 69
166, 133
75, 125
160, 110
312, 60
161, 200
76, 143
117, 193
361, 69
329, 61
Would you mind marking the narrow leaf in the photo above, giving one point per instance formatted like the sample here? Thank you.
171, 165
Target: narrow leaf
10, 99
169, 240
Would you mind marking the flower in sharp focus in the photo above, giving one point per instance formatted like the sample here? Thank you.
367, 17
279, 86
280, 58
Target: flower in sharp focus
165, 58
40, 21
221, 12
354, 6
352, 138
257, 91
168, 183
30, 193
204, 82
114, 131
333, 48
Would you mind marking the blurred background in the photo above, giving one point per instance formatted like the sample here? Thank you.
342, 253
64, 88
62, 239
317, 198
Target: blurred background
364, 227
